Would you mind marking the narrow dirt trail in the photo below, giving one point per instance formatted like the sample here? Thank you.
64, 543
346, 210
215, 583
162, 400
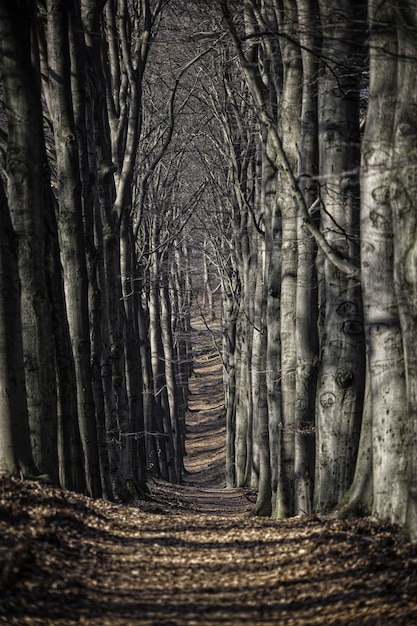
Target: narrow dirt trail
204, 488
193, 556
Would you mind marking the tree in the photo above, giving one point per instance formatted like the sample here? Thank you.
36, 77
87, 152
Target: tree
403, 185
342, 359
385, 471
29, 201
15, 450
61, 83
307, 284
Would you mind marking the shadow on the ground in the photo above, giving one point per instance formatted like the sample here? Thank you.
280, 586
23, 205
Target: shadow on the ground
192, 556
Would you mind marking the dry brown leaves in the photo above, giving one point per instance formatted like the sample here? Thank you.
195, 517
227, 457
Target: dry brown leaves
193, 555
66, 559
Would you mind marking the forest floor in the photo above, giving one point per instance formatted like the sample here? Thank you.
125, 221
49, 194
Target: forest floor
193, 555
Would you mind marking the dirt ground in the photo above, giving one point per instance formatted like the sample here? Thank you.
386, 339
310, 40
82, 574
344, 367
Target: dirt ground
193, 555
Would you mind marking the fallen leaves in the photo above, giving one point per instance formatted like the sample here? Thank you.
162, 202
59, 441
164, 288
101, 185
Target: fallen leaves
193, 556
67, 559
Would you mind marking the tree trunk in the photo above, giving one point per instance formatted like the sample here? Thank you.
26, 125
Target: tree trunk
273, 347
15, 448
166, 448
207, 290
149, 406
169, 366
70, 453
306, 338
403, 429
85, 41
289, 124
382, 323
70, 222
358, 499
231, 390
28, 189
259, 431
263, 504
134, 384
342, 370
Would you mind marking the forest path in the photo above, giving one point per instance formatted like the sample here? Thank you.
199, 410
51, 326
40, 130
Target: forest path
204, 486
193, 556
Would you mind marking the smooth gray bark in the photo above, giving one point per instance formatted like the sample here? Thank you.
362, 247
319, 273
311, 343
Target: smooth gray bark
342, 367
306, 336
403, 186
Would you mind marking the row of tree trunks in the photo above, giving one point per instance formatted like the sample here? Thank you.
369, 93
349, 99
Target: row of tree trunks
338, 328
76, 312
329, 333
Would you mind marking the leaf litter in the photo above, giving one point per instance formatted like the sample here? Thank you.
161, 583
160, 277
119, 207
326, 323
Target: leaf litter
193, 554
